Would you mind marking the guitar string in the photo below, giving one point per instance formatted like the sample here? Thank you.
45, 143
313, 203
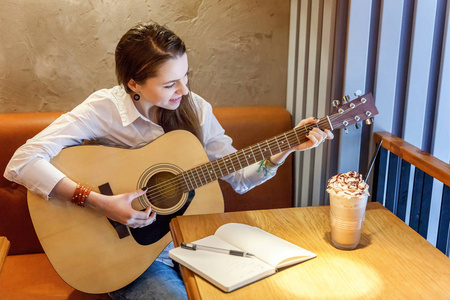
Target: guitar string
291, 136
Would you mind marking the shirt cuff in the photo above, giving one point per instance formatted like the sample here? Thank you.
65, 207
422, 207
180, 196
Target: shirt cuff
41, 177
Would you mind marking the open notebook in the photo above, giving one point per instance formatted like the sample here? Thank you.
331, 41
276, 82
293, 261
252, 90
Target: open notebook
229, 272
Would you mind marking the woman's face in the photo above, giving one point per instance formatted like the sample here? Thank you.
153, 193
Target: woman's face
165, 90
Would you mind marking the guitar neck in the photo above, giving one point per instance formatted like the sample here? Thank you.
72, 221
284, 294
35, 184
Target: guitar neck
233, 162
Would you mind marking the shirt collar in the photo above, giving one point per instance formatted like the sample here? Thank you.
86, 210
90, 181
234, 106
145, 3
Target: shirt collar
128, 112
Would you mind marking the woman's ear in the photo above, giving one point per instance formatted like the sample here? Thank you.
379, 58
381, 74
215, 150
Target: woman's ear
132, 85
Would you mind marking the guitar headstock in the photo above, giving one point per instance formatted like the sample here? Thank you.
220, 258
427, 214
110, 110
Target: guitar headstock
349, 112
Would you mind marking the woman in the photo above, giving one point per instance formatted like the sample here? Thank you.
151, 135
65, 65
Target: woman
152, 98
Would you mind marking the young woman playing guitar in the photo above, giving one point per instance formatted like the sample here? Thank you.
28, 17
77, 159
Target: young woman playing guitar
151, 99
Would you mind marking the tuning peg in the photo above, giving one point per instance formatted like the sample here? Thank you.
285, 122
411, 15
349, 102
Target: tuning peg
356, 125
358, 93
368, 122
336, 103
345, 99
345, 129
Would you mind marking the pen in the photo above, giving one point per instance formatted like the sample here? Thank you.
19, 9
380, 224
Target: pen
194, 247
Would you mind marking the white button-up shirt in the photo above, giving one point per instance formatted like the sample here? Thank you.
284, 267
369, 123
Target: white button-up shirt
109, 117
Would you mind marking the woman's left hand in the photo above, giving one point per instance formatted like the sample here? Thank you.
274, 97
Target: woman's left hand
315, 136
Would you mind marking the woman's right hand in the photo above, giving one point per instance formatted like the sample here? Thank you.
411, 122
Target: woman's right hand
118, 208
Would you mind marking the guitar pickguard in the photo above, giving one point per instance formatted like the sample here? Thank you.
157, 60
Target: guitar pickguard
158, 229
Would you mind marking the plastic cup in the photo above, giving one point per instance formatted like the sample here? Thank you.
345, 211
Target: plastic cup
347, 218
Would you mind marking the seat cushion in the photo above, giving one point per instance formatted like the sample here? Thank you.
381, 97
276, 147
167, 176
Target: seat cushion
248, 126
31, 276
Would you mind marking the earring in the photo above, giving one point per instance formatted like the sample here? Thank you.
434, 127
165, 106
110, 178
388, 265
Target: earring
136, 97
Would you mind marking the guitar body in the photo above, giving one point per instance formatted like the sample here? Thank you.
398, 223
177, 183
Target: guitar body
82, 245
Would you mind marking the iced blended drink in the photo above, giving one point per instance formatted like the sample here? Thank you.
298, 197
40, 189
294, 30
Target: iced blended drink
348, 198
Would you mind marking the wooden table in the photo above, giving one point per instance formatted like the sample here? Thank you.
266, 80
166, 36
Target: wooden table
391, 262
4, 248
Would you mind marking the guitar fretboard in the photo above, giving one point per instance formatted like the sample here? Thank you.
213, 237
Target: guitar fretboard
211, 171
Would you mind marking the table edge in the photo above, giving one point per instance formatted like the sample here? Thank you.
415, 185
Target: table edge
4, 248
188, 276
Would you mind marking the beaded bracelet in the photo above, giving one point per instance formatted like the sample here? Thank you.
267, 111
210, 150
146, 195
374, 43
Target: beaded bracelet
268, 167
80, 195
270, 163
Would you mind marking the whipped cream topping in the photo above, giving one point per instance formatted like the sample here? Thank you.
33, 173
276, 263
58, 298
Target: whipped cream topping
350, 184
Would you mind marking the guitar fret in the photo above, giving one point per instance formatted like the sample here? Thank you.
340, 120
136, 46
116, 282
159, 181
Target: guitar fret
204, 177
215, 174
245, 156
270, 150
295, 133
225, 165
276, 140
184, 178
244, 159
209, 172
217, 162
231, 161
303, 137
193, 180
294, 137
189, 177
196, 171
253, 154
228, 159
259, 147
237, 157
293, 142
197, 178
287, 140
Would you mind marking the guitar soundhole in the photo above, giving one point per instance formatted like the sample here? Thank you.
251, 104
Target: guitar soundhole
164, 192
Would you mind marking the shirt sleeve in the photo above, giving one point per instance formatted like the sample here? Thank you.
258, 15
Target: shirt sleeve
217, 144
30, 165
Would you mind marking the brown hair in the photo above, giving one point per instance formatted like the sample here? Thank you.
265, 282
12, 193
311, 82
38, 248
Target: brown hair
140, 53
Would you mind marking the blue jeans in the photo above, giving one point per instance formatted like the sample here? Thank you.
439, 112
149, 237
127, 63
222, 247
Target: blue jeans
158, 282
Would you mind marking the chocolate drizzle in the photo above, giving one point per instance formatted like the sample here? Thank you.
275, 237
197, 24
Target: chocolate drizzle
350, 184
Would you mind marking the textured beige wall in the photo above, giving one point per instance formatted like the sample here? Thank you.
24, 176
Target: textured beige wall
54, 53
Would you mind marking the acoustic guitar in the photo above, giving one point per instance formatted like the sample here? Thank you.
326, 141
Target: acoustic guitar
96, 255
